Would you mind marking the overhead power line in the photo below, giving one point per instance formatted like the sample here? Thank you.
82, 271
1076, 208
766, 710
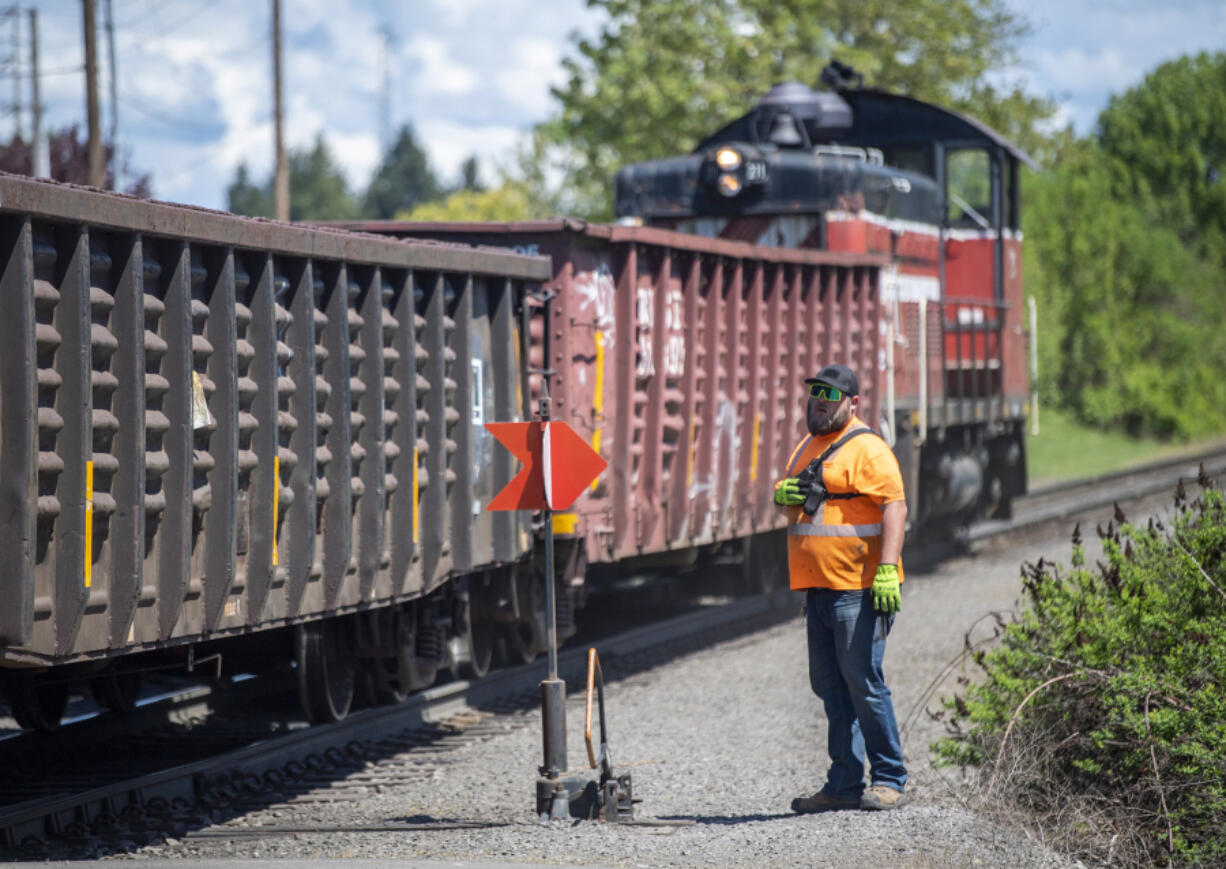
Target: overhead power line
156, 114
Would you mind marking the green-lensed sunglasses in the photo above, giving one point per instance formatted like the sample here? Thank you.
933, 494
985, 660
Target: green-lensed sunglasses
826, 393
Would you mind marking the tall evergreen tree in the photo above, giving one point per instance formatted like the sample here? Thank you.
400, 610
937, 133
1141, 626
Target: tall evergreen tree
403, 180
470, 175
317, 188
243, 196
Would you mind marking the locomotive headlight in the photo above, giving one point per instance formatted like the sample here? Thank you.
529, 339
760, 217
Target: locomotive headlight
729, 185
728, 159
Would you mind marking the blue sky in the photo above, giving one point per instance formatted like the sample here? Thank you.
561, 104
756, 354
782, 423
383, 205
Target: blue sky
471, 75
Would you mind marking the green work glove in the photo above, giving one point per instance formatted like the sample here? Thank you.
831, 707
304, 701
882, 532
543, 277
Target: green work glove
886, 599
788, 494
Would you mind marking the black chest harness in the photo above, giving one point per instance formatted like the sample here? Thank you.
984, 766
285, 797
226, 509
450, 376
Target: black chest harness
813, 484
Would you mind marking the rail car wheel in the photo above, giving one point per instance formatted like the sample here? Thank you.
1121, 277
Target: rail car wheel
116, 690
382, 685
478, 645
524, 638
472, 649
394, 676
327, 670
36, 702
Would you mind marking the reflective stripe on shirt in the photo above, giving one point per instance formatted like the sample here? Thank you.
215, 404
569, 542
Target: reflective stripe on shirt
807, 530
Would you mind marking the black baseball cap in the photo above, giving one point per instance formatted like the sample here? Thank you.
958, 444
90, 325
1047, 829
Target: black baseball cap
839, 376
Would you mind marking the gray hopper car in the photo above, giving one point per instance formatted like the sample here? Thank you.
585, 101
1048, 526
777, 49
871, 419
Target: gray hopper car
221, 435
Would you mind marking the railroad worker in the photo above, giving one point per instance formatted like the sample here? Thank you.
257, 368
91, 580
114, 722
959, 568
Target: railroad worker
845, 555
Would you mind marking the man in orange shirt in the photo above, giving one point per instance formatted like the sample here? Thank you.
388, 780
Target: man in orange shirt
847, 517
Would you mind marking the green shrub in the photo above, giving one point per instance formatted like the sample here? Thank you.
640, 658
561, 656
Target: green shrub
1104, 705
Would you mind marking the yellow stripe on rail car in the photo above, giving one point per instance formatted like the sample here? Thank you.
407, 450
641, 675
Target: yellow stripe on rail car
89, 523
753, 460
565, 523
689, 460
276, 504
519, 383
416, 505
598, 397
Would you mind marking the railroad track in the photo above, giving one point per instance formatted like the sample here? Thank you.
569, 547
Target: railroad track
257, 760
1058, 503
207, 756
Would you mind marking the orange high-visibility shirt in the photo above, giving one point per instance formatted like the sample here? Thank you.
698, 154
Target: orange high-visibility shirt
842, 548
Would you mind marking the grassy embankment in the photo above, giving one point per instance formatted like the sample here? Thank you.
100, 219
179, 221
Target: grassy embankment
1065, 449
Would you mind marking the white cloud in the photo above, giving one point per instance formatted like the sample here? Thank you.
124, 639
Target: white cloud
1081, 71
358, 154
457, 13
439, 72
1082, 53
449, 144
532, 67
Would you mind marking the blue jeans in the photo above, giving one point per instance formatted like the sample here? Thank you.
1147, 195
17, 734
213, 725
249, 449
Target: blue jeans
846, 645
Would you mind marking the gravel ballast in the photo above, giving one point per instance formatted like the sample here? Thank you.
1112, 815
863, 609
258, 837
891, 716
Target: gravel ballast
724, 738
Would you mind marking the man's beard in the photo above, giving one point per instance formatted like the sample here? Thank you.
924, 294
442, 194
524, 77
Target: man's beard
824, 421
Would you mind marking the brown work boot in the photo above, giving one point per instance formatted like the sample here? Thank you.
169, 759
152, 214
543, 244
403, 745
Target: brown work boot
880, 797
821, 802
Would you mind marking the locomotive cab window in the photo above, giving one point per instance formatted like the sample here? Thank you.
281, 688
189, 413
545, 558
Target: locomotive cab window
917, 159
969, 189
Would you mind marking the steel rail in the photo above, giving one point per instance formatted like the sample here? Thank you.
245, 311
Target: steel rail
1062, 501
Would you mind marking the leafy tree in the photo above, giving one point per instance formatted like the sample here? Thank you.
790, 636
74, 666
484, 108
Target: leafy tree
1166, 143
404, 179
1126, 234
1129, 316
69, 153
546, 172
663, 74
508, 202
317, 188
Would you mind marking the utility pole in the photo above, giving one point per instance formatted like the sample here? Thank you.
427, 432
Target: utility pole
97, 171
38, 144
17, 71
385, 87
281, 178
117, 165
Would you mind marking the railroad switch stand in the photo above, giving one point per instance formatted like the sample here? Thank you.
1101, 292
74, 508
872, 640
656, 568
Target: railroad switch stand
561, 795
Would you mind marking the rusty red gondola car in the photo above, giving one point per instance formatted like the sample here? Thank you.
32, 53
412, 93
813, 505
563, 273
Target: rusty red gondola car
678, 357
